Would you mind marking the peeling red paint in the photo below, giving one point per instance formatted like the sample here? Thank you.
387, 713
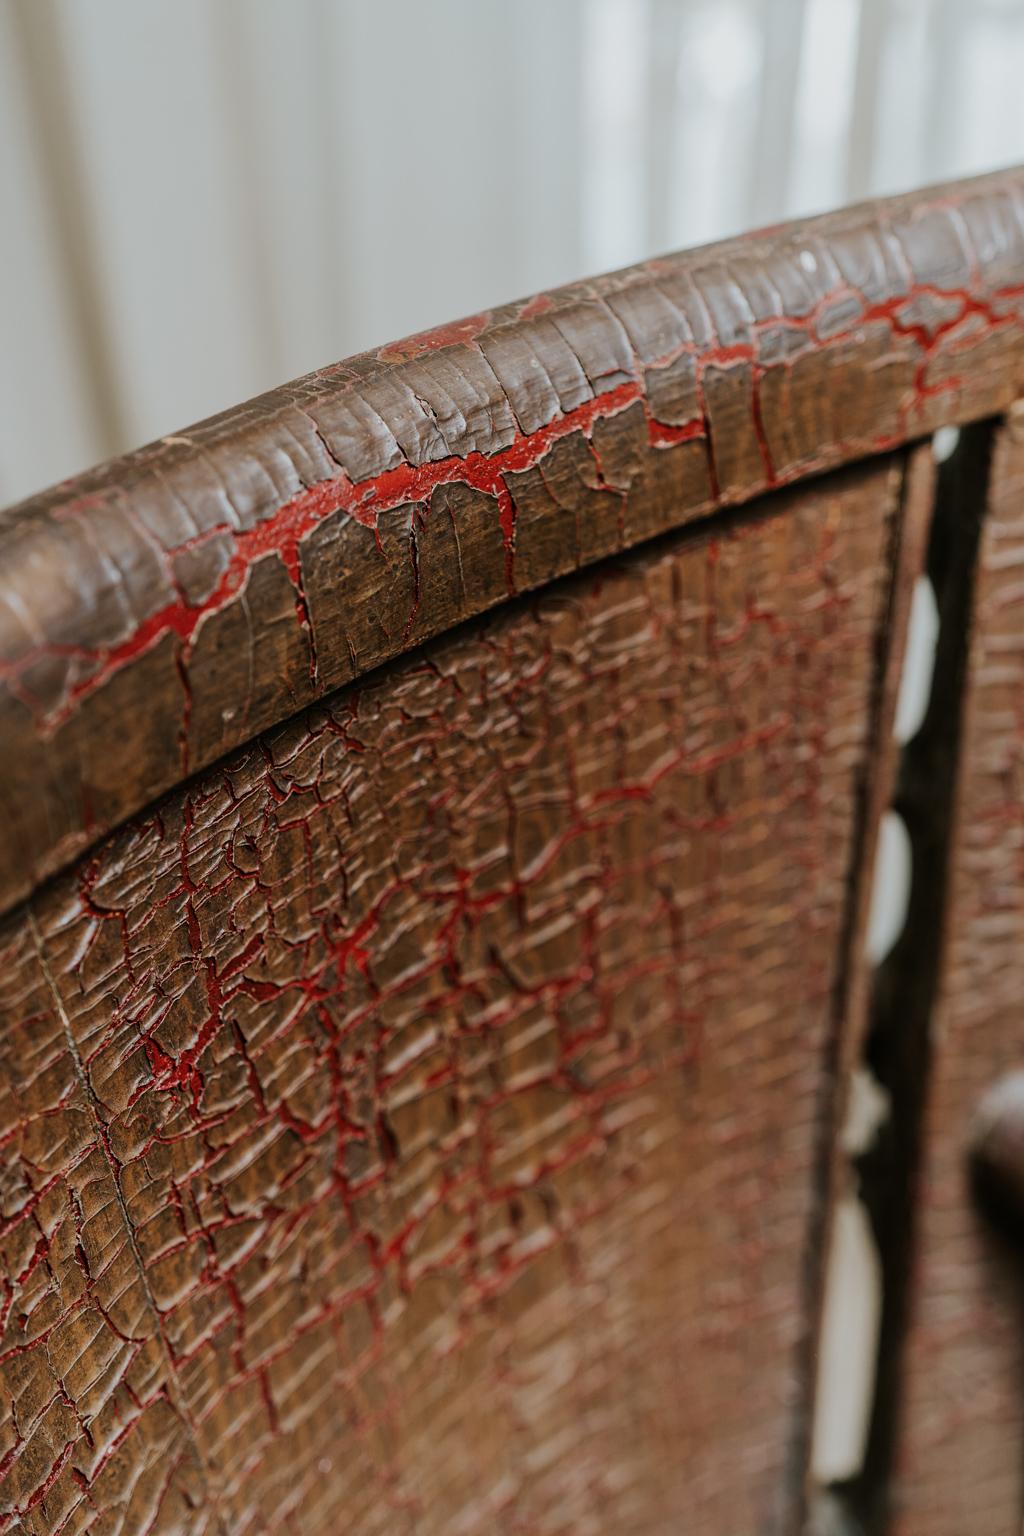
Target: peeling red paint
435, 339
282, 533
886, 369
539, 305
251, 1043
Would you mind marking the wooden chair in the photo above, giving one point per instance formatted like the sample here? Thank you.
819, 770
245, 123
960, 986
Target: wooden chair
438, 809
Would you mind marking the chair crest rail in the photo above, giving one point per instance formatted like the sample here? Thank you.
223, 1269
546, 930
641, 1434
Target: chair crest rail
166, 607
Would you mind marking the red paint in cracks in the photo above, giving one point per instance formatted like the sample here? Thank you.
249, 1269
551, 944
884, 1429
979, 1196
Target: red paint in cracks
539, 305
433, 340
282, 534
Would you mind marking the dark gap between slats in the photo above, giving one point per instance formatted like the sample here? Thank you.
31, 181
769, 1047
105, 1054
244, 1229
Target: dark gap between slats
905, 987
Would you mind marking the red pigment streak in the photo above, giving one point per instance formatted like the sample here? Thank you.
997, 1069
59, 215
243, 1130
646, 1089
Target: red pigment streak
759, 428
660, 434
282, 533
433, 340
537, 306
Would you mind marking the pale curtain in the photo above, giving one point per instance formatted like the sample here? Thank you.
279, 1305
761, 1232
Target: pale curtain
201, 198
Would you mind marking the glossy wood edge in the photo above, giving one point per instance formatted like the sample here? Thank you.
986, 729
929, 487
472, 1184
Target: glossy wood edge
166, 607
852, 1004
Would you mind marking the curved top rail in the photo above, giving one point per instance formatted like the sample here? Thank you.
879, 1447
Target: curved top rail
163, 608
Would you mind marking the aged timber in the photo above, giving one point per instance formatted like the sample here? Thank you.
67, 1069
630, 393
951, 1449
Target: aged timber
162, 610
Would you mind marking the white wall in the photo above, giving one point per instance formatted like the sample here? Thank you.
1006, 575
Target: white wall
203, 197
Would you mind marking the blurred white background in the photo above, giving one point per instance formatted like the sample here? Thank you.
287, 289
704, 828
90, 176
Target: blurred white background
202, 198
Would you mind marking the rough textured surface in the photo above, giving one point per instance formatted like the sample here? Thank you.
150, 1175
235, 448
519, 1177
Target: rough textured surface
961, 1460
417, 1123
181, 600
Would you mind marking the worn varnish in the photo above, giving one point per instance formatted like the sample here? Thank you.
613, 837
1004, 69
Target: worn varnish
183, 599
960, 1450
421, 1053
416, 1121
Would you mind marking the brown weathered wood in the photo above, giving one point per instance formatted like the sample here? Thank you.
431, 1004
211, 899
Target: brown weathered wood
854, 983
419, 1090
417, 1121
168, 607
960, 1453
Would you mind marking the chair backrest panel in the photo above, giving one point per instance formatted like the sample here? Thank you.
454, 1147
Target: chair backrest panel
424, 1029
183, 599
434, 1090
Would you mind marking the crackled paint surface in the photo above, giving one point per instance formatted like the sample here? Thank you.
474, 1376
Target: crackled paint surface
188, 597
414, 1123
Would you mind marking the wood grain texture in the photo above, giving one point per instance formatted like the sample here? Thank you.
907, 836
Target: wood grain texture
855, 982
416, 1122
162, 610
960, 1465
